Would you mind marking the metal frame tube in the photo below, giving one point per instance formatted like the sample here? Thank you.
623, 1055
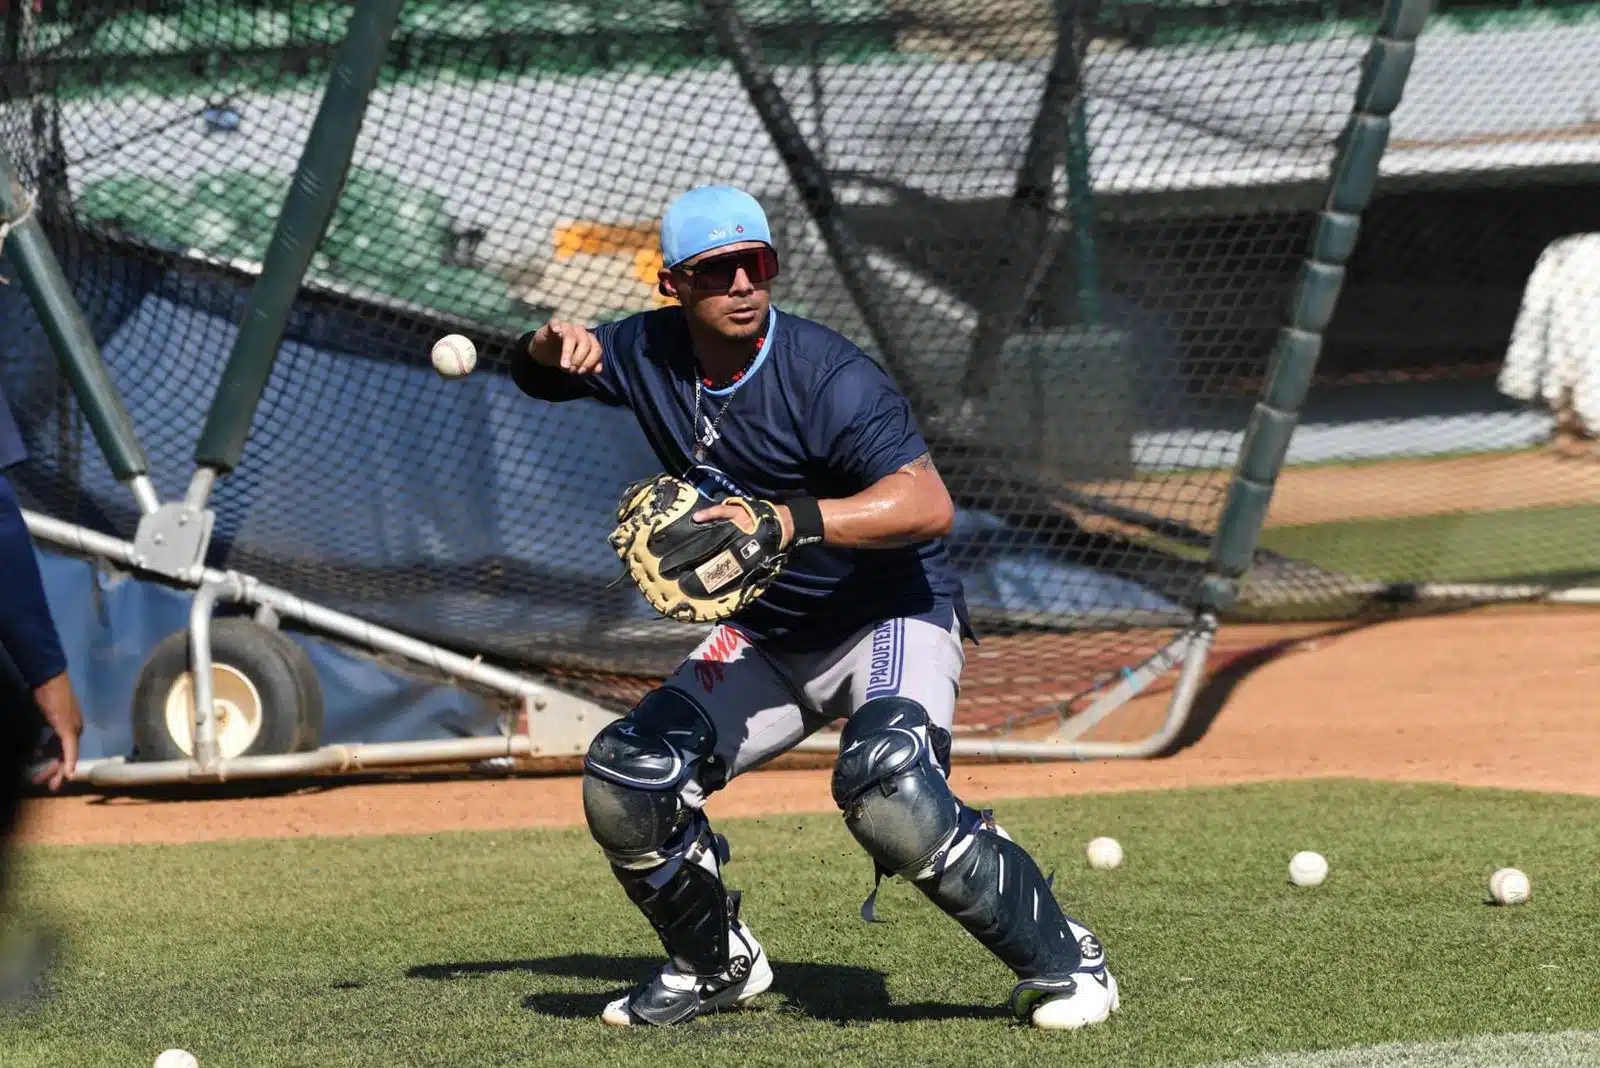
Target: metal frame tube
332, 758
144, 494
1080, 203
200, 487
246, 590
812, 181
206, 750
208, 765
307, 210
1134, 682
1033, 227
72, 339
1179, 706
67, 329
1352, 178
289, 606
1391, 592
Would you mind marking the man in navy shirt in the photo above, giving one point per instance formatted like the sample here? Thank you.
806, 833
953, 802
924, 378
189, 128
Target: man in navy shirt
33, 685
864, 623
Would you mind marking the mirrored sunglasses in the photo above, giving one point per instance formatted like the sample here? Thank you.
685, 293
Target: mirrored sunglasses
716, 274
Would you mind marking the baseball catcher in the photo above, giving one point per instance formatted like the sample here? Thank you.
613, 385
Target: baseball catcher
800, 512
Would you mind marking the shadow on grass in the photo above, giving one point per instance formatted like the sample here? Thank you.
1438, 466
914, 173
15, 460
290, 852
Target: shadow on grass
838, 993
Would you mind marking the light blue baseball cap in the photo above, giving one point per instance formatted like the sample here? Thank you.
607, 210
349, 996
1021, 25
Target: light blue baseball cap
710, 217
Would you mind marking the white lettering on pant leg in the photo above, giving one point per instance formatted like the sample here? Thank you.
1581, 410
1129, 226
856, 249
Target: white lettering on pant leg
887, 659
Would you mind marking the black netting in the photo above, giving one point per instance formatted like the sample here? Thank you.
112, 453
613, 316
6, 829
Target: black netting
1070, 231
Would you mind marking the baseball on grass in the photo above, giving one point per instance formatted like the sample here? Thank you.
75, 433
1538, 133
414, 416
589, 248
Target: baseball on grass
1105, 853
1508, 886
177, 1058
1307, 868
454, 356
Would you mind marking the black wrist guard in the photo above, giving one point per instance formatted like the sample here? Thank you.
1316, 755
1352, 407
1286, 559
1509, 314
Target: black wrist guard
807, 516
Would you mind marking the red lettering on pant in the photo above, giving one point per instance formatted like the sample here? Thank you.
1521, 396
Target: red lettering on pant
721, 649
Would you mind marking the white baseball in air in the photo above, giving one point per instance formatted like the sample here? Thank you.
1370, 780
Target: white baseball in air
1105, 853
177, 1058
1508, 886
454, 356
1307, 868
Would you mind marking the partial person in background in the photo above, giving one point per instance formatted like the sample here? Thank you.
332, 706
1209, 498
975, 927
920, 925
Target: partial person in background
35, 691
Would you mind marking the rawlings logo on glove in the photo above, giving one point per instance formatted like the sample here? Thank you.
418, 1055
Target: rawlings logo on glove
695, 572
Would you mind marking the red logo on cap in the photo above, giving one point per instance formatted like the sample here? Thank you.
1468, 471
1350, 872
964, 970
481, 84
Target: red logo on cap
738, 229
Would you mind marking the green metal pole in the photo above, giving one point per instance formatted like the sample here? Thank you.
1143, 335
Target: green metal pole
1033, 233
814, 184
1080, 194
70, 336
1355, 174
307, 210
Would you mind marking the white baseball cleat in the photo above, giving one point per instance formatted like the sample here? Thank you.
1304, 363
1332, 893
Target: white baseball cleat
671, 997
1087, 996
1092, 1000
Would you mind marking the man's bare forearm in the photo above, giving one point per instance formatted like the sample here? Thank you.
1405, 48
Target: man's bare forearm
908, 506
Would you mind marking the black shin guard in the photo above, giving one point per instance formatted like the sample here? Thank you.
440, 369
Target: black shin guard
663, 851
899, 807
686, 902
994, 889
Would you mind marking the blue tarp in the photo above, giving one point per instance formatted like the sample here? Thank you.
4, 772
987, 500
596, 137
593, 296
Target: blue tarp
109, 624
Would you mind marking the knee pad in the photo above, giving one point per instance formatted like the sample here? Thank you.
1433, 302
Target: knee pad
890, 785
635, 771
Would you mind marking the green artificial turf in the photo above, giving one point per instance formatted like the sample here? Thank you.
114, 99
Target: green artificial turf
500, 948
1522, 545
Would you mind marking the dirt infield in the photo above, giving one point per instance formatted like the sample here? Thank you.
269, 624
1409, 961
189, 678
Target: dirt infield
1500, 698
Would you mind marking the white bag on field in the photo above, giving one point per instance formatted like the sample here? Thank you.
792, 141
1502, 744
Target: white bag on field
1554, 355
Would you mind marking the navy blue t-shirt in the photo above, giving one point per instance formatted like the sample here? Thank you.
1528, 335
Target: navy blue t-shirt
12, 451
813, 416
27, 629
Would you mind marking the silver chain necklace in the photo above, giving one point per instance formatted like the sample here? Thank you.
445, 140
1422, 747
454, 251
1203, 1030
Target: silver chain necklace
703, 442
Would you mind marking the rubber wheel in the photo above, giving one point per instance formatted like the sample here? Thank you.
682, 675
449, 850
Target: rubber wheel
309, 735
266, 694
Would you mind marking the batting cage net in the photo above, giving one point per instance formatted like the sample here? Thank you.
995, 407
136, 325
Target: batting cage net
1069, 230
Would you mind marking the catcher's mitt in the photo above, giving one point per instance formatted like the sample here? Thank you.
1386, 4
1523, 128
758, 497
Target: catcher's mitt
694, 572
